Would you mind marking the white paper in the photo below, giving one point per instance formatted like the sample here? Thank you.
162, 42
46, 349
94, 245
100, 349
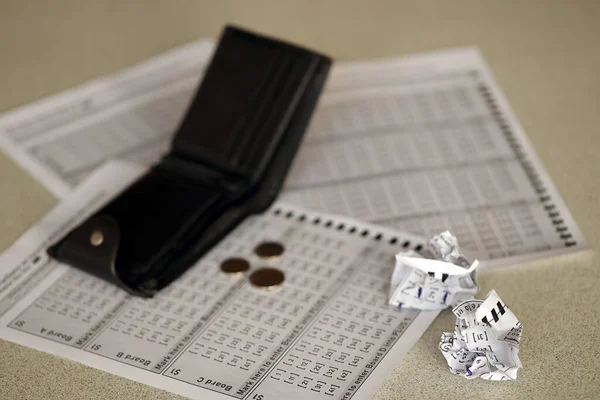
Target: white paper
439, 277
485, 343
131, 115
327, 332
422, 144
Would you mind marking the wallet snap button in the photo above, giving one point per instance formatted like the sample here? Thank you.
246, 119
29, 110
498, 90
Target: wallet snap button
96, 238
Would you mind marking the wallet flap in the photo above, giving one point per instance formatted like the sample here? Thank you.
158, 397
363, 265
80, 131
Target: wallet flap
93, 248
244, 103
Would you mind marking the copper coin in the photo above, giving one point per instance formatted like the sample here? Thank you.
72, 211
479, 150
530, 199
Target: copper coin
267, 278
235, 266
269, 249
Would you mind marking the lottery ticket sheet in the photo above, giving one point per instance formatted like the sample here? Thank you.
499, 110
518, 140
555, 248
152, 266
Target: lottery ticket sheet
326, 332
423, 144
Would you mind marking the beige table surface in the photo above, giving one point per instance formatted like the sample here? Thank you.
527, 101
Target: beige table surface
546, 57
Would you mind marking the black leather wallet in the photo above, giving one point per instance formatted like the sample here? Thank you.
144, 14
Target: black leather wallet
228, 159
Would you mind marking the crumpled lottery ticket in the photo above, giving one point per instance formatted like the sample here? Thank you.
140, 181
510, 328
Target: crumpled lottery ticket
437, 278
485, 342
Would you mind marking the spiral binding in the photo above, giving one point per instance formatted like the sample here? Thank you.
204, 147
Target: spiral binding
535, 179
331, 223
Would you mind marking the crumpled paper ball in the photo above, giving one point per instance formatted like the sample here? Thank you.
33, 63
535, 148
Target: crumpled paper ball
485, 342
438, 277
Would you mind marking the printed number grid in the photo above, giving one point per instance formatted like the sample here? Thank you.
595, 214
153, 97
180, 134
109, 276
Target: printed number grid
246, 338
356, 324
141, 134
314, 334
420, 160
70, 310
159, 328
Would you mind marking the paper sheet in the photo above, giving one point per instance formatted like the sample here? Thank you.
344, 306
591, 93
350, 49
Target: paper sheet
326, 333
422, 144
